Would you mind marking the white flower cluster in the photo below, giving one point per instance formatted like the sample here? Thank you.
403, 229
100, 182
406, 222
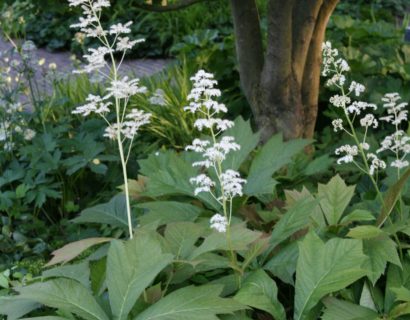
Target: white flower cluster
336, 67
90, 26
213, 151
158, 98
219, 223
399, 141
121, 89
128, 129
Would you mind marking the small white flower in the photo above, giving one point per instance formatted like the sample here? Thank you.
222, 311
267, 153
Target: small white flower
219, 223
203, 182
350, 151
376, 163
369, 120
120, 28
124, 43
231, 183
337, 125
339, 101
357, 88
124, 88
29, 134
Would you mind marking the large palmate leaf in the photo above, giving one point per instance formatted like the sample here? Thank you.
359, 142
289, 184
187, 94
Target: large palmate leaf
168, 211
181, 238
79, 272
295, 218
113, 213
65, 294
283, 263
380, 250
323, 268
344, 310
199, 303
396, 277
242, 131
271, 157
260, 291
16, 307
391, 197
241, 237
334, 198
168, 174
131, 267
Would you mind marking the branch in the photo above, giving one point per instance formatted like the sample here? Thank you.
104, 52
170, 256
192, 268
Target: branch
311, 75
305, 16
249, 48
169, 7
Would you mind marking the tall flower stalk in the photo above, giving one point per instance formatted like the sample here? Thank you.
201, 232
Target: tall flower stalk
359, 153
221, 183
335, 68
126, 124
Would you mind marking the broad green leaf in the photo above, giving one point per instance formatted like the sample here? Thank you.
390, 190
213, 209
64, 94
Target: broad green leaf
199, 303
98, 275
294, 219
400, 310
79, 272
318, 165
293, 196
283, 263
65, 294
235, 316
391, 197
14, 307
271, 157
365, 232
73, 249
242, 132
357, 215
46, 318
131, 267
168, 174
168, 211
113, 213
344, 310
323, 268
380, 250
334, 198
396, 277
181, 238
402, 294
260, 291
241, 237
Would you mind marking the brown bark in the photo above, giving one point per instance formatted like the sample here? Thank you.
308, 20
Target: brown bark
284, 96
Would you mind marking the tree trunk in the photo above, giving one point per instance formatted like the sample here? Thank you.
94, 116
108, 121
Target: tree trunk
282, 83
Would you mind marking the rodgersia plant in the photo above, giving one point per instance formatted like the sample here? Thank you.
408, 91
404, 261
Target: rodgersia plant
360, 153
119, 89
223, 184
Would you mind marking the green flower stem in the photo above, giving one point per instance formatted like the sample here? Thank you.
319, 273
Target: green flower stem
114, 70
227, 215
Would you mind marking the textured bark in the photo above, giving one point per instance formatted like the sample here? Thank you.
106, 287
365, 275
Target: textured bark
284, 96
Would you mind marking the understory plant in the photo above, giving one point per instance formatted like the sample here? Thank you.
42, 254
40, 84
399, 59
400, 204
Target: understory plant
125, 124
210, 244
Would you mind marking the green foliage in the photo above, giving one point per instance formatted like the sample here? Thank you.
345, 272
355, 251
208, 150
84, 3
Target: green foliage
324, 268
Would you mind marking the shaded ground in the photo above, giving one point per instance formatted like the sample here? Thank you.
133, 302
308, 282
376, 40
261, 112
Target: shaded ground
139, 67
